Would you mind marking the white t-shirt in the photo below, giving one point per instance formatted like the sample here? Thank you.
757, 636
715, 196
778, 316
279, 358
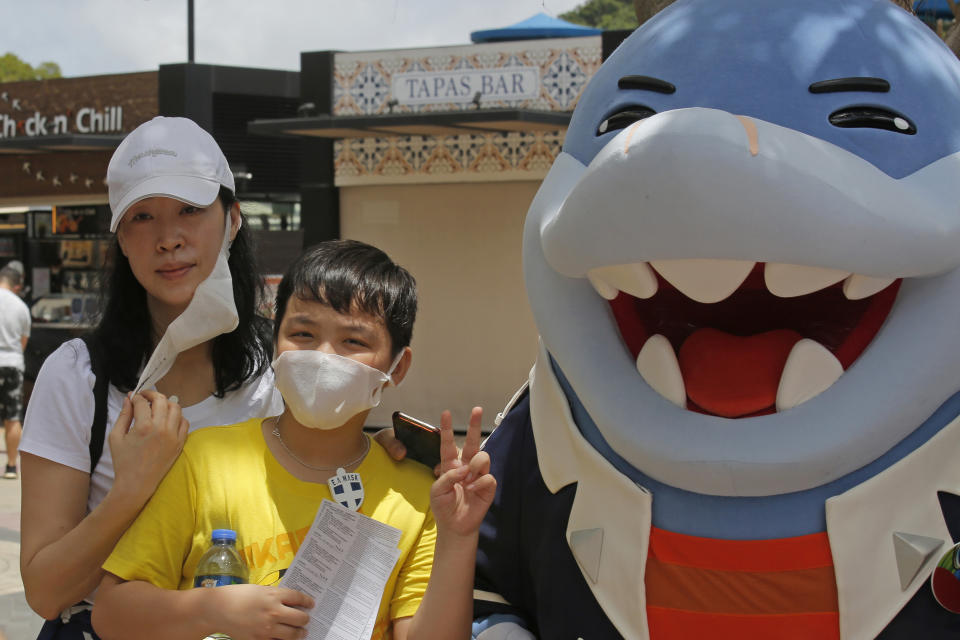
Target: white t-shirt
14, 325
60, 414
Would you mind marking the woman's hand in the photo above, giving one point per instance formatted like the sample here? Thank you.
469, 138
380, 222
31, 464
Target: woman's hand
388, 440
463, 493
145, 441
63, 546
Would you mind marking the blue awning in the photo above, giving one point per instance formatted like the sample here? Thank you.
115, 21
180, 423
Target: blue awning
538, 26
932, 9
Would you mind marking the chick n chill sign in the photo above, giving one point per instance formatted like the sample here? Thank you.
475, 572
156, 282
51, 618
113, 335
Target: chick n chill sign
463, 85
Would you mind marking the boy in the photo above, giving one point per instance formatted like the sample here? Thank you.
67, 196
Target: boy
344, 320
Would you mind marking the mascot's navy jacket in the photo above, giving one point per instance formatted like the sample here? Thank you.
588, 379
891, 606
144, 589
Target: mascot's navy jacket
743, 421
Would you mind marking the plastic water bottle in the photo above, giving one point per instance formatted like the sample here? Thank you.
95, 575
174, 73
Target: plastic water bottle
221, 565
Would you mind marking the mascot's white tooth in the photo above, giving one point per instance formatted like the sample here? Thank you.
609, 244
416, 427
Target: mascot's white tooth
810, 370
606, 290
704, 280
857, 287
789, 280
637, 279
657, 364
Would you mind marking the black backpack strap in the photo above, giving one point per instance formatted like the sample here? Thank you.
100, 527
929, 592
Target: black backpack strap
98, 429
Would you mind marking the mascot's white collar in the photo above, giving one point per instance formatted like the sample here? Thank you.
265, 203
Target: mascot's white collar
609, 525
610, 511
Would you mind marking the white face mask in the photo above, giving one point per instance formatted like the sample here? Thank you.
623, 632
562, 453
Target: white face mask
211, 312
324, 390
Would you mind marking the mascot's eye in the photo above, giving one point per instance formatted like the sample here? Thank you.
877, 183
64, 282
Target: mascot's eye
625, 118
872, 118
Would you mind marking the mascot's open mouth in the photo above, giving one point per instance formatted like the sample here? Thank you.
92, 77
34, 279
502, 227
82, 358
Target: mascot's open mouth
738, 339
747, 264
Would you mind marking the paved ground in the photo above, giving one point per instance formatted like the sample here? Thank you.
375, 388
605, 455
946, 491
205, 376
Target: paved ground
17, 621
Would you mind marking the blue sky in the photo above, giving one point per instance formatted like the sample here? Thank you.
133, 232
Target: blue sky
91, 37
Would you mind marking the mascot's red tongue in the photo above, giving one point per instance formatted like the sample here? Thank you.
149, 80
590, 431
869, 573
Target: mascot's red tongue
734, 376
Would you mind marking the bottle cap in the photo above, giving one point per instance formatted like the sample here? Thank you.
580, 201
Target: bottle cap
224, 534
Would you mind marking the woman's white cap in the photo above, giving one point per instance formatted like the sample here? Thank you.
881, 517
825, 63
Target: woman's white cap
170, 157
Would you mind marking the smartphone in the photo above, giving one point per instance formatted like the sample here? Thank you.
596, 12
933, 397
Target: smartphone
422, 440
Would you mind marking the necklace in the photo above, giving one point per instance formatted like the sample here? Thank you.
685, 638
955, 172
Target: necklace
366, 449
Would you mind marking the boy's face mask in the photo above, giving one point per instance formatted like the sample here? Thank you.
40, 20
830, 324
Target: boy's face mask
324, 390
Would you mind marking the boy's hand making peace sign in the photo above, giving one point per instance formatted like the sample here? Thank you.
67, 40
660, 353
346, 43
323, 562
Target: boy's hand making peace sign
464, 491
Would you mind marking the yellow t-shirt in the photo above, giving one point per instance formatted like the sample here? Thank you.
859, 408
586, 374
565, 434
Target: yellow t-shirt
226, 478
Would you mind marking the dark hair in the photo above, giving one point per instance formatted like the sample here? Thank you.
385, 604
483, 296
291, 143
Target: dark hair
11, 276
124, 329
350, 275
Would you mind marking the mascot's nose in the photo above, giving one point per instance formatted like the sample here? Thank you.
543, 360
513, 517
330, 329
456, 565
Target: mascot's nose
752, 138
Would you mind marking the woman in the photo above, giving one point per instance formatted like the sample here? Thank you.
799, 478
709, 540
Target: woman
174, 214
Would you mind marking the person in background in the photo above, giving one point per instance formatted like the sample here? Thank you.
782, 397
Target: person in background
14, 333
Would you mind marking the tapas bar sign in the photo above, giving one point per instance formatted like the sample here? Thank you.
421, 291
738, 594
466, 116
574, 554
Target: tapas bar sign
85, 120
466, 85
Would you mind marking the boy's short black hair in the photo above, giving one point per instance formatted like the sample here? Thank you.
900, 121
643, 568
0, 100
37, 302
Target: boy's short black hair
350, 275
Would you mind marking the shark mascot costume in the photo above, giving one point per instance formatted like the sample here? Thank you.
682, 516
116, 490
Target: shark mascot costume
743, 421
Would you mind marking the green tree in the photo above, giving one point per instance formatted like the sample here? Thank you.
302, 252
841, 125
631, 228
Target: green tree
13, 69
604, 14
628, 14
951, 34
46, 70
